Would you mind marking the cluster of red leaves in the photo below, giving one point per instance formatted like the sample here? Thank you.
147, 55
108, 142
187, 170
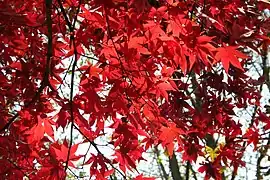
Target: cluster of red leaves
140, 47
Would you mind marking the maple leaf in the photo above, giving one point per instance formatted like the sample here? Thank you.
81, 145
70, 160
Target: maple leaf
19, 44
140, 177
97, 168
137, 43
93, 17
205, 48
153, 30
253, 137
213, 153
163, 87
212, 170
63, 117
94, 71
179, 25
61, 152
16, 65
229, 55
36, 133
168, 135
191, 152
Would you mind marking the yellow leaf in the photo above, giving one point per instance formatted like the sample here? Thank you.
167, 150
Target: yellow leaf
213, 153
222, 170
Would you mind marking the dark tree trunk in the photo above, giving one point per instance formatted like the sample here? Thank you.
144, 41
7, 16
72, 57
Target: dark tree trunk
174, 167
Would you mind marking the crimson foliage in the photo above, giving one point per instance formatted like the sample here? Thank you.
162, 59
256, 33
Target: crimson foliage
154, 72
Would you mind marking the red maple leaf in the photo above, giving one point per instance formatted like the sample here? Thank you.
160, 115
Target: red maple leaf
229, 55
168, 136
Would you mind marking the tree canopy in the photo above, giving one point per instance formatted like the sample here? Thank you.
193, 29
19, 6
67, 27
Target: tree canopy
135, 74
